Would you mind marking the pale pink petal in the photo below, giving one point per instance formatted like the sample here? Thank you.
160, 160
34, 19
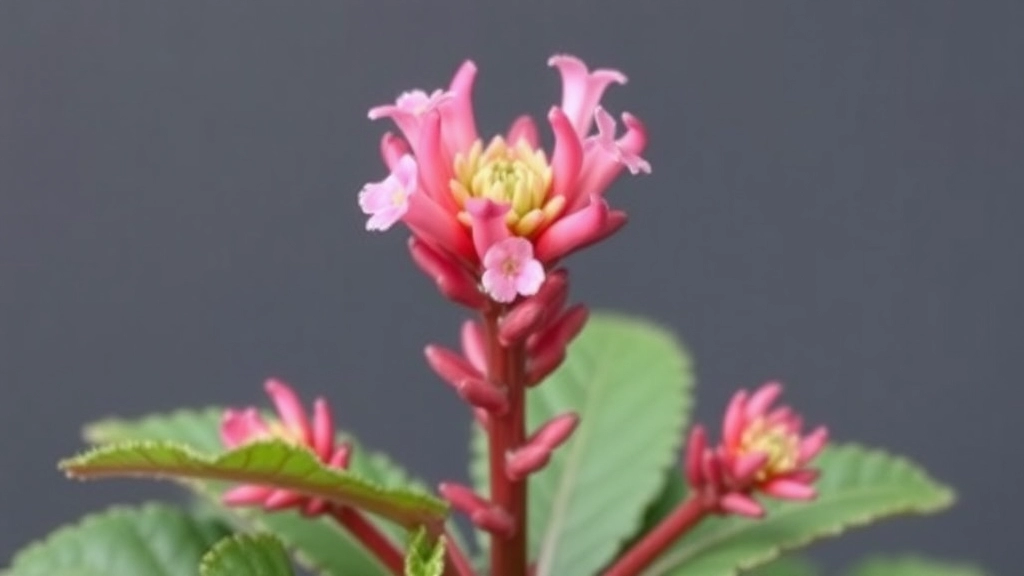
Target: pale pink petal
567, 158
500, 287
489, 225
600, 168
531, 276
387, 201
290, 409
582, 89
409, 109
523, 128
762, 399
627, 155
788, 489
240, 427
741, 504
323, 429
459, 121
246, 495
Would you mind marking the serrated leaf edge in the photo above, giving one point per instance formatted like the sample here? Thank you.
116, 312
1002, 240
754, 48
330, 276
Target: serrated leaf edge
217, 549
413, 508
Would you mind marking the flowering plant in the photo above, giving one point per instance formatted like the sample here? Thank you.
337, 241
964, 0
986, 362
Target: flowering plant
578, 466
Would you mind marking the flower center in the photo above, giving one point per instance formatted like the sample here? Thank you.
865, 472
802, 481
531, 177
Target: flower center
781, 446
518, 176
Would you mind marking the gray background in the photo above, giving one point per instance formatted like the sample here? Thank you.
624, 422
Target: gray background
834, 202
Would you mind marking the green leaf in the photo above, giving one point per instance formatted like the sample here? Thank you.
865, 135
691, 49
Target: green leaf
271, 462
247, 555
914, 566
857, 487
630, 381
785, 566
149, 540
424, 558
319, 544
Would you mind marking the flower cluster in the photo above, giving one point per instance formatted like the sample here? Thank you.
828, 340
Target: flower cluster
490, 219
763, 450
239, 427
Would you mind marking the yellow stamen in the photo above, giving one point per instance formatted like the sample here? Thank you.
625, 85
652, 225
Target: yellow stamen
780, 445
518, 176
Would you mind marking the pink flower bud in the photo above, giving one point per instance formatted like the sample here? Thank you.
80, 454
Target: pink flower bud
526, 460
741, 504
449, 365
483, 394
560, 332
527, 316
474, 345
543, 363
481, 512
695, 448
452, 280
556, 431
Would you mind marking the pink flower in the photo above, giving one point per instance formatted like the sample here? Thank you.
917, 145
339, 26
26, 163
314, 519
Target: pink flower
388, 200
762, 450
240, 427
510, 270
472, 193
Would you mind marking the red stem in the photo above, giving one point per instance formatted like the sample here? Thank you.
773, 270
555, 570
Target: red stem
666, 533
506, 368
370, 537
458, 563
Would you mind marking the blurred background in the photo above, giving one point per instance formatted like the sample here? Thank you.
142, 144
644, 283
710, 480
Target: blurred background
835, 202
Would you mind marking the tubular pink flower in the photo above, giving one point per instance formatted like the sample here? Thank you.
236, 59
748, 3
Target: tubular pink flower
459, 120
240, 427
525, 129
582, 89
409, 110
568, 157
510, 270
387, 201
451, 367
573, 232
468, 193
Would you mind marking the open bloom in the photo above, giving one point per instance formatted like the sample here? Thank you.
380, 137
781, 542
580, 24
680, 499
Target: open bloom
240, 427
763, 450
461, 195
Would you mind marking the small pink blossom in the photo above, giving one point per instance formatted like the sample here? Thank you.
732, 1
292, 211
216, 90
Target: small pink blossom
387, 201
510, 270
621, 153
240, 427
763, 450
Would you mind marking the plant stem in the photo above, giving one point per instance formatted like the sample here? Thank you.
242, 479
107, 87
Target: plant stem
506, 368
666, 533
370, 537
457, 562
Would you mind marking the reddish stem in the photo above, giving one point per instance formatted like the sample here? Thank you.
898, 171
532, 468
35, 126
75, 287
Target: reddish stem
666, 533
457, 563
370, 537
506, 369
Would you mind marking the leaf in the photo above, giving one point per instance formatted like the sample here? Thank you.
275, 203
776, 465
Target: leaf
914, 566
785, 566
424, 558
148, 540
319, 544
247, 555
272, 462
857, 487
630, 381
